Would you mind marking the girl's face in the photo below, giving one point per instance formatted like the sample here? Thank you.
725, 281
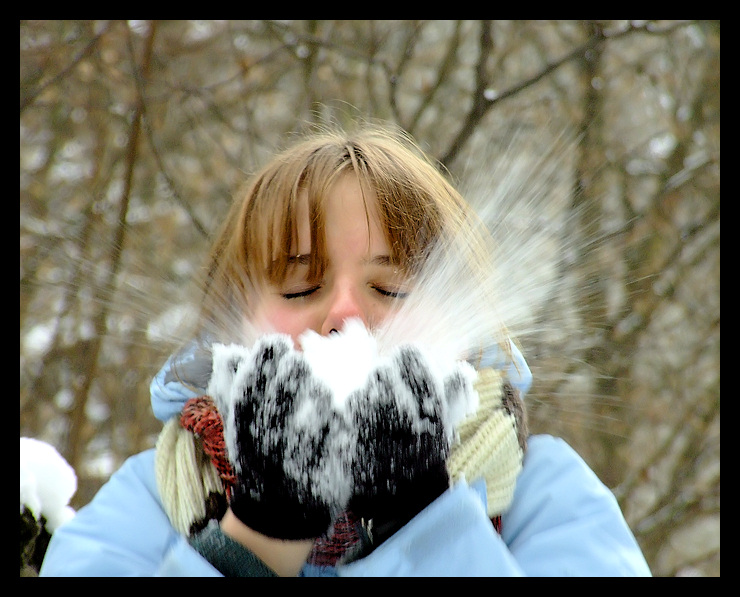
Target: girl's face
359, 280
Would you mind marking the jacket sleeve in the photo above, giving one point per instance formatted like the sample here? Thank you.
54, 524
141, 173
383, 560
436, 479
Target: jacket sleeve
563, 522
124, 531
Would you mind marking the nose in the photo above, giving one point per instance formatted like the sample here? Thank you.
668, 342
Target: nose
344, 305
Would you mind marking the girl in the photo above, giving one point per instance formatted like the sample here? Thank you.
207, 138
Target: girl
338, 229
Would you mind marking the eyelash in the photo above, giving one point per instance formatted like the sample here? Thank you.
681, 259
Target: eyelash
300, 294
309, 291
400, 294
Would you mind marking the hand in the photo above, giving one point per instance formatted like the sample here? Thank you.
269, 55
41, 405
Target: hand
405, 418
285, 439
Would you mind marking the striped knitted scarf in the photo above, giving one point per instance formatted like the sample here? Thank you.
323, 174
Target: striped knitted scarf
195, 477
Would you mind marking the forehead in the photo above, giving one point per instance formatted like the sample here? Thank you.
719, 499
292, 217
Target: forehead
346, 216
326, 223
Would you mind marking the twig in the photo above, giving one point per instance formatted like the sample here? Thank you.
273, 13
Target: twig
29, 98
482, 104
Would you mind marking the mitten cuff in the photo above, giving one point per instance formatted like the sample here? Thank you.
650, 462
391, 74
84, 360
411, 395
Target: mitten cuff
273, 518
229, 557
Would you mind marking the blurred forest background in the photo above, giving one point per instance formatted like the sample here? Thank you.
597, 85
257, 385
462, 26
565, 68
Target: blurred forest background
135, 135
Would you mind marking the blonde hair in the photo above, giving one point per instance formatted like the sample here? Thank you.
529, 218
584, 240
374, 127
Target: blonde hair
417, 207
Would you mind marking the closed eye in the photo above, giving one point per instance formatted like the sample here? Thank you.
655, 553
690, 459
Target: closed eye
400, 294
300, 293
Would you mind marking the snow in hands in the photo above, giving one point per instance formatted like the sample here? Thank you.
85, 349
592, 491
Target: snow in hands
309, 413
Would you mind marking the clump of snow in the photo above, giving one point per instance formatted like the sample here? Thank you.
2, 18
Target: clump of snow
342, 360
48, 483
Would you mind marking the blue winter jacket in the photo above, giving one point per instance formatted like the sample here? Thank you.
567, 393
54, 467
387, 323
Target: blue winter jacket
562, 522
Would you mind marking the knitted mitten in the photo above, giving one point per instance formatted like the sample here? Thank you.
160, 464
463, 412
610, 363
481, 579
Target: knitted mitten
405, 417
405, 438
286, 441
492, 443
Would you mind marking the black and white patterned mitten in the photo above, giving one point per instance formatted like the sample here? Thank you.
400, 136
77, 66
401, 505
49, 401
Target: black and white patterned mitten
289, 446
405, 416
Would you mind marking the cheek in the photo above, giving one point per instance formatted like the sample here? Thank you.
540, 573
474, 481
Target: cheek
273, 317
380, 314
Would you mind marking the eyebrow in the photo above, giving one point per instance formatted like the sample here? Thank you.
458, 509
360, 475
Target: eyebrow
384, 260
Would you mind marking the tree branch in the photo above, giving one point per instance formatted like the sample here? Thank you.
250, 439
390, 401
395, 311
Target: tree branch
31, 96
75, 441
482, 104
